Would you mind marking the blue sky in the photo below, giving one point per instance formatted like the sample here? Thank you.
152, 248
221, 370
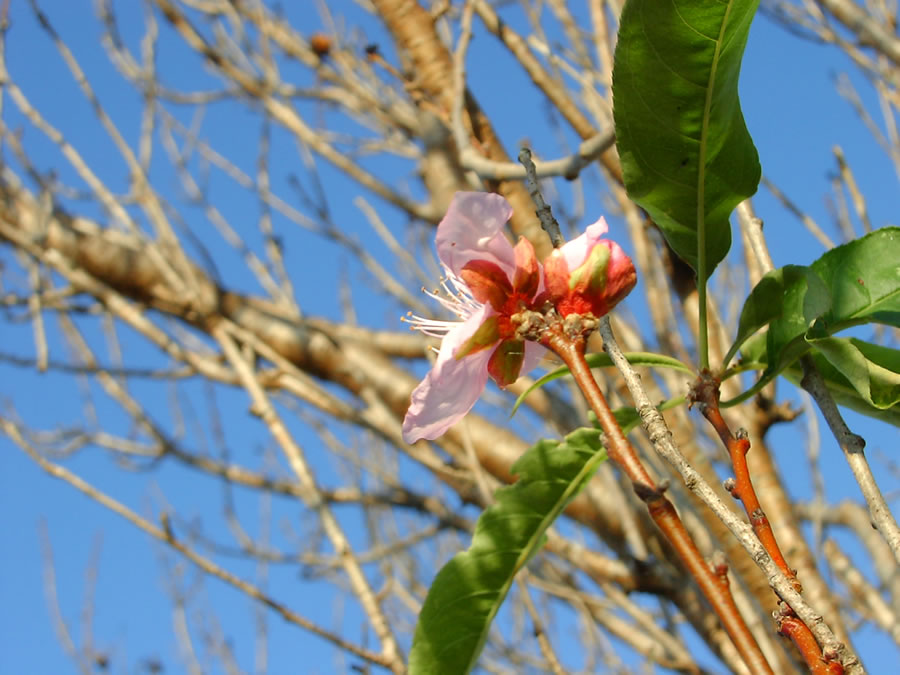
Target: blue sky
792, 111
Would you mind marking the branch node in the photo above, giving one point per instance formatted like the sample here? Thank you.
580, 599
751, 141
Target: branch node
648, 493
720, 566
730, 485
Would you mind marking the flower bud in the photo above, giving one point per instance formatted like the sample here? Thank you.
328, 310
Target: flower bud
590, 277
597, 285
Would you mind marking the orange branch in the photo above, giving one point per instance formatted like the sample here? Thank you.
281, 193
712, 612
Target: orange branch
705, 392
713, 582
800, 635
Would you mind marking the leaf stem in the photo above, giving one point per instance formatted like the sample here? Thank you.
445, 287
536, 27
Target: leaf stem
702, 322
712, 583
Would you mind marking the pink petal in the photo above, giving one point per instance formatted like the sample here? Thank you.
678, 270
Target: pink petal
576, 251
533, 355
451, 387
556, 275
472, 230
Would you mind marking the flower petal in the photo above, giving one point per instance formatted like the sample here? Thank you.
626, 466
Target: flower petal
527, 277
533, 355
472, 230
506, 362
576, 251
487, 282
487, 335
590, 277
606, 277
451, 387
556, 275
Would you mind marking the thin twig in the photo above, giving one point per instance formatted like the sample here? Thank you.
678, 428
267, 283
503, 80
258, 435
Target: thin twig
705, 392
50, 589
856, 196
712, 582
807, 221
544, 213
569, 167
539, 631
663, 442
165, 535
263, 407
853, 446
864, 596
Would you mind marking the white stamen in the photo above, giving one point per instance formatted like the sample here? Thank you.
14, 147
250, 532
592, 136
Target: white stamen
453, 295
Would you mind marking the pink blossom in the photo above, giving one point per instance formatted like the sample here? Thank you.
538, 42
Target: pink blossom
487, 282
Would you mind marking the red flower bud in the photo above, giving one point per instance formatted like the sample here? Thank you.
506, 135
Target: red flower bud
598, 284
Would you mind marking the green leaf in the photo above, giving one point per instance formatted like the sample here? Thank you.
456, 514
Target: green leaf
874, 393
876, 398
872, 370
857, 282
766, 303
686, 154
627, 418
468, 591
598, 360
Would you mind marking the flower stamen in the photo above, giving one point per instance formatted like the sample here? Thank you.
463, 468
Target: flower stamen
454, 296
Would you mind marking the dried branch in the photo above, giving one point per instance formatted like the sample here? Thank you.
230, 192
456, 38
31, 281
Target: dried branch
165, 535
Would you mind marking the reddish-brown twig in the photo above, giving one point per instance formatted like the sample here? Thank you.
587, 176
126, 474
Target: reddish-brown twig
713, 583
800, 635
705, 392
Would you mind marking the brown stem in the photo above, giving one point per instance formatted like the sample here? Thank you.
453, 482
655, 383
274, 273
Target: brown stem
706, 393
713, 585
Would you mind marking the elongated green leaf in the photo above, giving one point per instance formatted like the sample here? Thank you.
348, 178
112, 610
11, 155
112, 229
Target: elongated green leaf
647, 359
686, 154
858, 282
468, 591
872, 370
860, 376
764, 304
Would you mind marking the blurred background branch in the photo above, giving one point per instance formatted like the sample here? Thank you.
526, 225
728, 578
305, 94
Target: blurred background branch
213, 214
